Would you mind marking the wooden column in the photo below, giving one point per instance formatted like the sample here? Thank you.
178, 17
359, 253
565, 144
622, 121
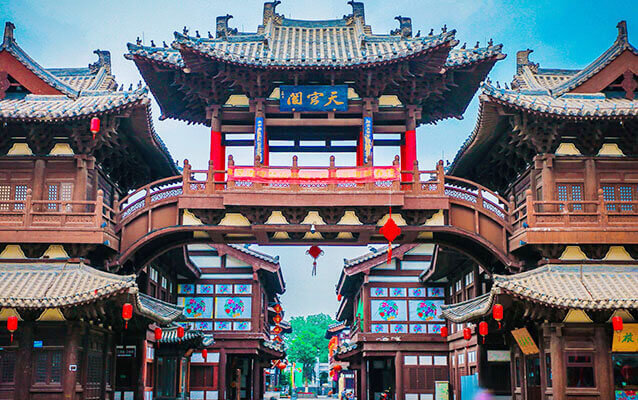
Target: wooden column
108, 346
71, 357
591, 181
364, 379
141, 357
367, 139
217, 149
81, 178
261, 138
257, 385
38, 179
221, 385
602, 364
559, 374
547, 178
408, 146
24, 360
398, 375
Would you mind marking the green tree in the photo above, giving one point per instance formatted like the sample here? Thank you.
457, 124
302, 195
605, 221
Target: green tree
307, 342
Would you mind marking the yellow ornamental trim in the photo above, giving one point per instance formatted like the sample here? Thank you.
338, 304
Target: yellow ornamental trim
12, 251
573, 253
567, 149
20, 149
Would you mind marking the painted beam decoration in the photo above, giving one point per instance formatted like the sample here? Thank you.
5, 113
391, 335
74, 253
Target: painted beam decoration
367, 140
260, 139
313, 98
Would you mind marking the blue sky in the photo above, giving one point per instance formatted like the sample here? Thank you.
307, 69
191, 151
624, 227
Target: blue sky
562, 33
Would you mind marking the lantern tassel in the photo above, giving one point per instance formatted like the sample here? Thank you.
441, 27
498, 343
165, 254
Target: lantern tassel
483, 339
389, 252
499, 325
314, 268
126, 325
11, 337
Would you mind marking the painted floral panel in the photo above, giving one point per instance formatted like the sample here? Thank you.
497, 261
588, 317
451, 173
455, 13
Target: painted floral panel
398, 292
224, 289
223, 325
186, 289
205, 289
399, 328
379, 292
243, 289
626, 395
389, 310
204, 326
435, 328
379, 328
233, 307
416, 292
241, 326
436, 292
425, 310
418, 328
198, 307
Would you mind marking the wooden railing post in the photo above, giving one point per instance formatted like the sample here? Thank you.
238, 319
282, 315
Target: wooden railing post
295, 172
369, 185
531, 212
99, 207
116, 209
603, 217
511, 206
257, 165
396, 163
440, 177
186, 178
28, 208
231, 164
416, 178
210, 178
332, 174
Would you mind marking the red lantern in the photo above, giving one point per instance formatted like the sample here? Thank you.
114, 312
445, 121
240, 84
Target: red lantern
314, 252
205, 354
278, 308
158, 335
444, 331
180, 332
616, 322
497, 314
483, 330
339, 297
12, 325
127, 313
95, 126
390, 231
467, 333
277, 319
337, 368
278, 339
277, 330
282, 366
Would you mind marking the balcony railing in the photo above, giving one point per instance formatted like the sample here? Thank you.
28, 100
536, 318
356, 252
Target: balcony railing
59, 214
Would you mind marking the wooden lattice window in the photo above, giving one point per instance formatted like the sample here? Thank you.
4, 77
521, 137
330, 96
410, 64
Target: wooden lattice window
5, 196
7, 366
20, 194
620, 192
570, 192
48, 367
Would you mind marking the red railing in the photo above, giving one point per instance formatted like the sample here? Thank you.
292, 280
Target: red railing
61, 214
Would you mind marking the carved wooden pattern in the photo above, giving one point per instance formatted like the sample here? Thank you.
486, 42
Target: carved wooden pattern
595, 251
209, 217
417, 217
370, 215
551, 251
294, 215
257, 215
331, 215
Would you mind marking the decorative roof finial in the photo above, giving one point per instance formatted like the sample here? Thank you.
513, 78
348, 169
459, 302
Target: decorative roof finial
358, 10
464, 45
139, 84
210, 36
476, 46
197, 35
431, 32
222, 26
622, 31
152, 43
8, 33
130, 87
185, 31
164, 44
269, 10
138, 41
103, 60
490, 43
522, 60
405, 27
444, 29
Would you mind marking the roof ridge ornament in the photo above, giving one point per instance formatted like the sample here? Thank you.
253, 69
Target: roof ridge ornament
405, 27
270, 11
622, 32
522, 60
223, 30
8, 33
103, 60
358, 10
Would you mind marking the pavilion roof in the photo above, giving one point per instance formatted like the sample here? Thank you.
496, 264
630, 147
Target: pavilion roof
64, 284
340, 45
547, 93
586, 287
194, 337
80, 94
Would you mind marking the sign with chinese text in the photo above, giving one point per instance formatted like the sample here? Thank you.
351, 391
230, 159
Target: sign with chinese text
627, 339
525, 341
313, 98
260, 139
441, 390
367, 140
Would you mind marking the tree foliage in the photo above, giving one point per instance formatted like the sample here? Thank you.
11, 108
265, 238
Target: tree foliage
307, 342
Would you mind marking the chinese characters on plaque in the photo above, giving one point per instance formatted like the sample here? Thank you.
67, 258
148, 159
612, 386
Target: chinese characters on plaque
313, 98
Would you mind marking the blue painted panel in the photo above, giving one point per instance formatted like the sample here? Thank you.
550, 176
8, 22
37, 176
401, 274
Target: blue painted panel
313, 98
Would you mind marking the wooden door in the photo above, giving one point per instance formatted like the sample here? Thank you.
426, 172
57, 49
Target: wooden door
533, 378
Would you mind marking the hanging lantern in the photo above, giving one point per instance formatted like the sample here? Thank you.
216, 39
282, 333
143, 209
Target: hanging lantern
277, 330
339, 297
282, 366
616, 322
497, 314
277, 319
180, 332
314, 252
205, 354
337, 368
278, 339
390, 231
467, 334
158, 335
278, 308
95, 126
483, 330
444, 331
127, 313
12, 325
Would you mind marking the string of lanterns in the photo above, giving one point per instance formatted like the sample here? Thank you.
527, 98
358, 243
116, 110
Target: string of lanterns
277, 330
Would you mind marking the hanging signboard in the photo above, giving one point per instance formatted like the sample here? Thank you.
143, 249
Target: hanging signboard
367, 140
441, 390
313, 98
627, 339
525, 341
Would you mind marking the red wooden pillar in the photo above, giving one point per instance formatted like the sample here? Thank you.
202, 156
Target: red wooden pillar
408, 154
359, 160
217, 149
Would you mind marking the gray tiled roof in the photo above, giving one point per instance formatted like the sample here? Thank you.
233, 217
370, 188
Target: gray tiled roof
587, 287
262, 256
199, 338
367, 256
